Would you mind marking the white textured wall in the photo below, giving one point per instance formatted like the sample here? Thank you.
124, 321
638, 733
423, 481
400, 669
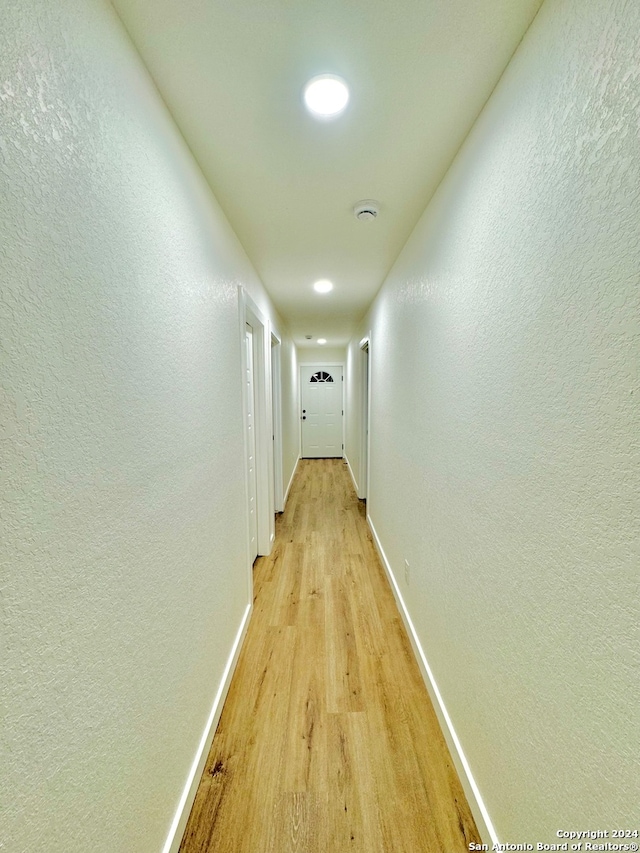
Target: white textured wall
505, 436
123, 550
321, 354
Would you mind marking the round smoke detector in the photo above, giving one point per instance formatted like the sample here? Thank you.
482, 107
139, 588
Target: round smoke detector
366, 210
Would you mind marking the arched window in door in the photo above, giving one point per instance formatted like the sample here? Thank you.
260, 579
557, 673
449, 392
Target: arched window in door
321, 376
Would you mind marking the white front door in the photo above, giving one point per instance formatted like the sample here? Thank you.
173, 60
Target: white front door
321, 410
251, 445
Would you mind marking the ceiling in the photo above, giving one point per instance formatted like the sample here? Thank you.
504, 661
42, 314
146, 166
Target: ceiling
232, 74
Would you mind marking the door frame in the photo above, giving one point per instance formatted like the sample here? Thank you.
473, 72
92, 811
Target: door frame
249, 399
276, 405
364, 349
318, 362
251, 315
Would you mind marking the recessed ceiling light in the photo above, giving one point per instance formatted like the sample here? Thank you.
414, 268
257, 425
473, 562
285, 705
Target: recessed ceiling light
323, 286
326, 95
322, 341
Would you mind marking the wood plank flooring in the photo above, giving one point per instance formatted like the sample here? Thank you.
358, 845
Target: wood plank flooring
328, 741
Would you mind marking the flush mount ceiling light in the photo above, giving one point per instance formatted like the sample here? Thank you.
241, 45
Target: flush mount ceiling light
322, 341
323, 286
326, 96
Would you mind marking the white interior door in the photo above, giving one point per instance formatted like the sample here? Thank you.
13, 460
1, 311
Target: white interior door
321, 410
251, 445
276, 403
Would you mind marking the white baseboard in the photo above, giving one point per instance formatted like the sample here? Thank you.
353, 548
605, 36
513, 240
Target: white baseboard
293, 474
183, 811
355, 485
476, 803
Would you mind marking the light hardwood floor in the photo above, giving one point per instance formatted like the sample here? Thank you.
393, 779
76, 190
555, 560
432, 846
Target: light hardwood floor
328, 741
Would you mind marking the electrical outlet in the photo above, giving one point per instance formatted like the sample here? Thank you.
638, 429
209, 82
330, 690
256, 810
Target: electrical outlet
406, 572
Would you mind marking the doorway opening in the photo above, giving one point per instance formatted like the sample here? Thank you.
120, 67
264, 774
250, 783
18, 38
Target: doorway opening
250, 427
258, 415
363, 490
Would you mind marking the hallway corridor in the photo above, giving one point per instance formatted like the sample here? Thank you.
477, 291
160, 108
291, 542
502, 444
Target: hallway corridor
328, 741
